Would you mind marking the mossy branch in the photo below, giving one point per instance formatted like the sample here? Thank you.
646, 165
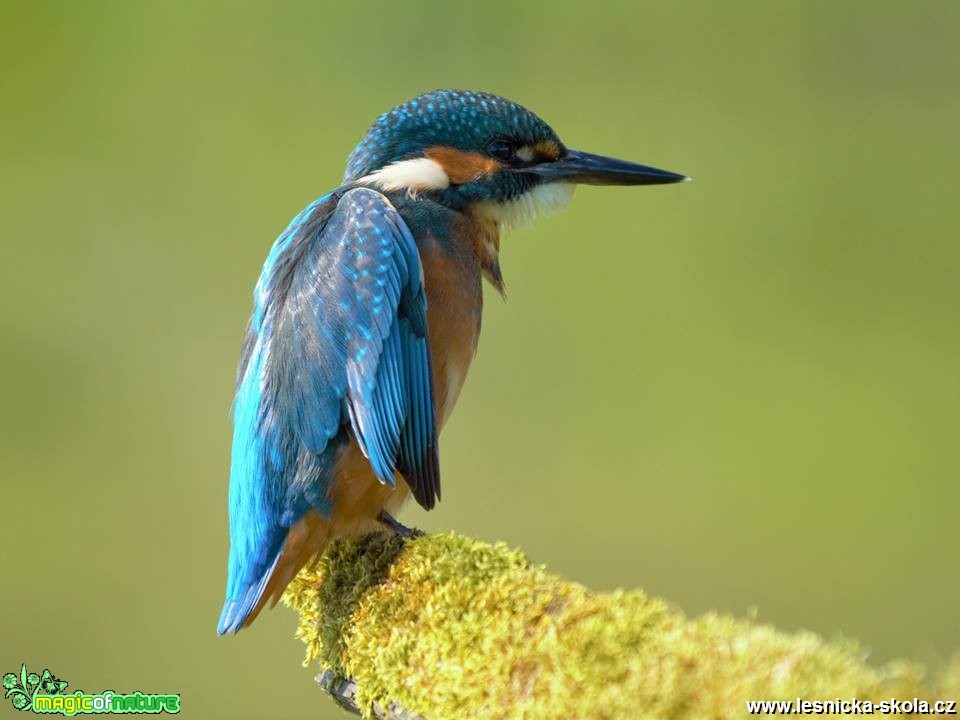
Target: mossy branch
441, 627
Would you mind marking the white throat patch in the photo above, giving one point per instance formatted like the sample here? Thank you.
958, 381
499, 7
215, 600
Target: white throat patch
522, 211
415, 175
422, 174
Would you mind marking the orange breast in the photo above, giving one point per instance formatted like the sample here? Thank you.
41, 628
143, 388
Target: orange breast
454, 305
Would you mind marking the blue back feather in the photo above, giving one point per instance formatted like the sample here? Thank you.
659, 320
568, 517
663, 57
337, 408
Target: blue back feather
337, 346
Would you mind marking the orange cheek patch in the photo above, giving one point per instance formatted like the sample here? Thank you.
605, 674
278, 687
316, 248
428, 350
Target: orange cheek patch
547, 150
462, 167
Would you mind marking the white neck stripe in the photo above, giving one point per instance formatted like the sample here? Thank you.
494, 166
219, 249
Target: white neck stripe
415, 175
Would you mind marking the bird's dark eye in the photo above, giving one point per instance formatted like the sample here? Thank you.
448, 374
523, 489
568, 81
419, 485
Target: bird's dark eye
502, 149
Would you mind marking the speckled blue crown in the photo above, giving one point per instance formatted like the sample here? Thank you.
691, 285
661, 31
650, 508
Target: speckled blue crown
456, 118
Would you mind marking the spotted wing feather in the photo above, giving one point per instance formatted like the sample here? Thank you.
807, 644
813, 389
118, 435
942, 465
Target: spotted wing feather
337, 345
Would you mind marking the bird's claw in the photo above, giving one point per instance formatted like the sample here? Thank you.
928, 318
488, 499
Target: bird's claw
397, 527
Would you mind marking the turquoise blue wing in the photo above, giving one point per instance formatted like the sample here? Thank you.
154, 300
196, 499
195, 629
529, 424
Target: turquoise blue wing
352, 336
337, 346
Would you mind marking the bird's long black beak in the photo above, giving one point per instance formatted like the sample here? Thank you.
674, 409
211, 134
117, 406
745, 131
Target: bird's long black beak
590, 169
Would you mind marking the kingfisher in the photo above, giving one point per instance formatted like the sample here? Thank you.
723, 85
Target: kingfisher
365, 319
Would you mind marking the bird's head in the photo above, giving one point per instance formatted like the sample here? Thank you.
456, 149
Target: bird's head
471, 149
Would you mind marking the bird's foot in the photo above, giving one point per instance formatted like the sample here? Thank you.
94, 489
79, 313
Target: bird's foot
389, 521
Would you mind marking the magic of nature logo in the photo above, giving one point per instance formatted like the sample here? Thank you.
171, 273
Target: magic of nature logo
45, 694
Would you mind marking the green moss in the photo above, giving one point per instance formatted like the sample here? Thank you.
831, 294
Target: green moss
328, 595
449, 627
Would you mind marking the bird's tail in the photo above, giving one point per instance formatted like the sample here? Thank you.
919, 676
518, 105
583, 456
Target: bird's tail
305, 540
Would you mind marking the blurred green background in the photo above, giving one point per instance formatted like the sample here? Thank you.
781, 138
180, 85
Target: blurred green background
739, 394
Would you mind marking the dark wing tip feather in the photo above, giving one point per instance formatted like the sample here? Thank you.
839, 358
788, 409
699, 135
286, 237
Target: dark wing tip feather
423, 477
